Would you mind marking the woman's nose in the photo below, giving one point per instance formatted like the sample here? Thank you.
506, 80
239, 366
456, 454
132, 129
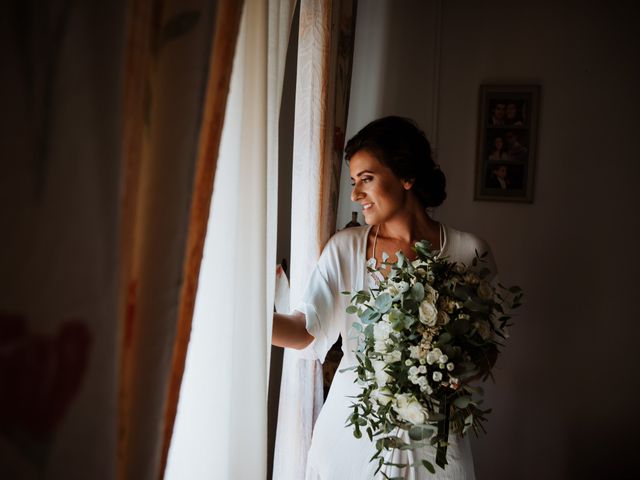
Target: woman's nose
355, 193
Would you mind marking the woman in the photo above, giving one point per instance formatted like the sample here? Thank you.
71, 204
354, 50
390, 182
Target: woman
498, 154
395, 180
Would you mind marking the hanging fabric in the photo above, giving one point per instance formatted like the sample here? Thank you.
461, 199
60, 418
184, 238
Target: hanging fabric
221, 422
325, 53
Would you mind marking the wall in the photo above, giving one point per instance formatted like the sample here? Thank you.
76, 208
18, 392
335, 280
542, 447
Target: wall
565, 392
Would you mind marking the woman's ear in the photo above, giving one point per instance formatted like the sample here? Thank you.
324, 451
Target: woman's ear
407, 184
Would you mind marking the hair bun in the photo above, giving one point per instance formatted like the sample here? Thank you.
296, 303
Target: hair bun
399, 144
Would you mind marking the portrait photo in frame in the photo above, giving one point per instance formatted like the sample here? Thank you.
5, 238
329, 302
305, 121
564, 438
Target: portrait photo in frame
507, 140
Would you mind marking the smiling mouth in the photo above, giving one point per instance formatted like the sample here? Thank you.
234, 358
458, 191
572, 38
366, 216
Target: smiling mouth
366, 206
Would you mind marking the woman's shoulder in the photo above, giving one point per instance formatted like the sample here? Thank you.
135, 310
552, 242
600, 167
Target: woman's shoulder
347, 241
463, 246
347, 236
461, 239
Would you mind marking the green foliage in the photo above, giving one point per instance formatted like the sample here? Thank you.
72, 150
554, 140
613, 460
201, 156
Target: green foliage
470, 327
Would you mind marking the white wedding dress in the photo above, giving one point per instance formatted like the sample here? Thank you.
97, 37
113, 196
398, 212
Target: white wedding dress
335, 454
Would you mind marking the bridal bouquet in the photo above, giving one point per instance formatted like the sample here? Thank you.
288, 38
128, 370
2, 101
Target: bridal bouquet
424, 333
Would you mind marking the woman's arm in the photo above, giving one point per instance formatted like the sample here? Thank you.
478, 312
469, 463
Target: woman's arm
289, 331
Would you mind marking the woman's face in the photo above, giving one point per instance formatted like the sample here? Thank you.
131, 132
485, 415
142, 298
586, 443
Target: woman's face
375, 187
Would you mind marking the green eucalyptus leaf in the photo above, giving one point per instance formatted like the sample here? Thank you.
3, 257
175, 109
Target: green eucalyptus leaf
417, 292
444, 338
462, 402
383, 302
428, 465
421, 432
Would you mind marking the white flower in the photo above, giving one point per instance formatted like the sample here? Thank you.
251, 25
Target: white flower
423, 383
430, 277
382, 395
443, 359
454, 382
380, 346
393, 356
447, 304
443, 318
410, 409
393, 290
402, 286
415, 351
450, 366
381, 331
428, 313
471, 278
437, 376
433, 356
382, 377
485, 292
408, 362
431, 294
422, 369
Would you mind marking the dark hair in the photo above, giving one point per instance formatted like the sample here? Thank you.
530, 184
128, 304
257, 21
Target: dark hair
399, 144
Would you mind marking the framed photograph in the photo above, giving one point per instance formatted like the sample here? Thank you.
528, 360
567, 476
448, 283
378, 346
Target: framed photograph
507, 139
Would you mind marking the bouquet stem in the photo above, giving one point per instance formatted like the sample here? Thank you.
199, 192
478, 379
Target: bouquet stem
443, 435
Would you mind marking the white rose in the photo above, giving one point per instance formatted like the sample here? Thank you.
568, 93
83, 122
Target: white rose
380, 346
381, 331
431, 294
428, 313
443, 359
450, 366
423, 383
471, 278
437, 376
443, 318
485, 292
410, 409
382, 377
382, 395
433, 356
393, 356
415, 351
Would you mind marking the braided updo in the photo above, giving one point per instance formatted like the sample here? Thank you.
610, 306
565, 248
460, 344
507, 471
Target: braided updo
399, 144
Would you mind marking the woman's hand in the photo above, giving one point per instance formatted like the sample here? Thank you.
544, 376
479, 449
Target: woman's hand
289, 330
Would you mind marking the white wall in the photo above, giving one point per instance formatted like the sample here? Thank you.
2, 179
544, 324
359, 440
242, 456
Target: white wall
566, 388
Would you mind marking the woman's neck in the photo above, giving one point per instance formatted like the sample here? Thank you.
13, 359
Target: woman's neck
409, 227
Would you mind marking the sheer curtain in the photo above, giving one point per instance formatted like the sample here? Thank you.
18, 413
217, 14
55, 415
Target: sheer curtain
325, 52
221, 423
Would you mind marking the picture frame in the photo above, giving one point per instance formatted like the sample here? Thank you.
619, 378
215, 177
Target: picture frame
507, 143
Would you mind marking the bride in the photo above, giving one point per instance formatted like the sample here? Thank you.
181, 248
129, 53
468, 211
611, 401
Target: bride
395, 180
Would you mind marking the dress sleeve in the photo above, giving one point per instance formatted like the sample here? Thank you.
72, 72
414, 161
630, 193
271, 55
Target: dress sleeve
319, 305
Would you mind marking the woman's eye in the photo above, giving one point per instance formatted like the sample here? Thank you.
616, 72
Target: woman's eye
366, 179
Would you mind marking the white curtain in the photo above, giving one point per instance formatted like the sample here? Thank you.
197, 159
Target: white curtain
325, 43
221, 424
